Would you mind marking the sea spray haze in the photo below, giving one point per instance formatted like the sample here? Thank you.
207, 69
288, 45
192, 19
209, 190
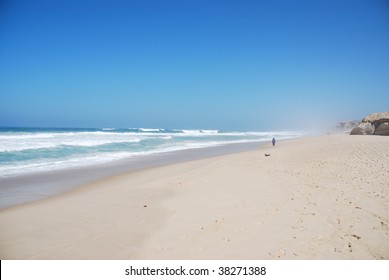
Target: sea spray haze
36, 150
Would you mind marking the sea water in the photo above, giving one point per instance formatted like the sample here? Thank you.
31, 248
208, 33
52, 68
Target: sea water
37, 150
36, 163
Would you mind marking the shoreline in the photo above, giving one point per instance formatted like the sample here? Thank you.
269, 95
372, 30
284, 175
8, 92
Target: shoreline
28, 188
322, 197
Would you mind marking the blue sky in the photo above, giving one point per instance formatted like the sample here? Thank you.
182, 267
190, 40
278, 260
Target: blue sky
192, 64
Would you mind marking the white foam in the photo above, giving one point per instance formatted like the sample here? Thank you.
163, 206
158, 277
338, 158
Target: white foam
15, 147
200, 132
209, 131
33, 167
26, 136
151, 129
167, 141
31, 141
82, 139
166, 137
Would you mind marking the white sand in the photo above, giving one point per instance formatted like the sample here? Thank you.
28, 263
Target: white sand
324, 197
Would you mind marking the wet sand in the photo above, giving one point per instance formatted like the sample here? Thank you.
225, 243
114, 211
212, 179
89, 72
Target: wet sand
32, 187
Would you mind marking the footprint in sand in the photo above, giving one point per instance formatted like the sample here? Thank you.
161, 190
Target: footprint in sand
226, 239
280, 253
356, 236
350, 248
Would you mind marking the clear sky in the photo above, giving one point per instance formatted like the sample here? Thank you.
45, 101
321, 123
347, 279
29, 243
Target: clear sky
192, 64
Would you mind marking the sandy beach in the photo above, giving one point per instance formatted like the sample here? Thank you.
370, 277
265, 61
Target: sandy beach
324, 197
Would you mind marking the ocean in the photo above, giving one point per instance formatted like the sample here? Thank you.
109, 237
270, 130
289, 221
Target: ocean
38, 150
36, 163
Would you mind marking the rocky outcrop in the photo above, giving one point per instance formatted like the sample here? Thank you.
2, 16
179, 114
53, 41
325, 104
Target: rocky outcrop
382, 129
363, 129
376, 123
377, 118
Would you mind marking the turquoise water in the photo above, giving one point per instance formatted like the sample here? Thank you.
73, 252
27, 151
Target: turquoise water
36, 150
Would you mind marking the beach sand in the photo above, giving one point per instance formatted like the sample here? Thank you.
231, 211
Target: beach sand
324, 197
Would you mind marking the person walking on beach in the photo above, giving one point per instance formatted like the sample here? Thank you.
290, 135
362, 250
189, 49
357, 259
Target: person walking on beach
274, 141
